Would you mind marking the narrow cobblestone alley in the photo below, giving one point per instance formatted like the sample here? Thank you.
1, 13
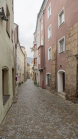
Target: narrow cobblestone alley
39, 114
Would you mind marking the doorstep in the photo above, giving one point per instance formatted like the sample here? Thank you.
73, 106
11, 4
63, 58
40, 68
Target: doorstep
62, 94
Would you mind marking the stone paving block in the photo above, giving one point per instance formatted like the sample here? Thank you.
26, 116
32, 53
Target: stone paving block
39, 114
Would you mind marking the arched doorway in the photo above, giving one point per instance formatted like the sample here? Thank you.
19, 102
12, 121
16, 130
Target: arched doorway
61, 81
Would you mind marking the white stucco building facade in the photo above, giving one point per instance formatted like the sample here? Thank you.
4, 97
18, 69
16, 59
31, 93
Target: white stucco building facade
7, 91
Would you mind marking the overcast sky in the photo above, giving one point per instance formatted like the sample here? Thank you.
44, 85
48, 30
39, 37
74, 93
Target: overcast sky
25, 15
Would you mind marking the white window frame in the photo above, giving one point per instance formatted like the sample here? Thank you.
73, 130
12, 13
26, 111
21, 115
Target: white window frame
42, 25
48, 11
46, 78
49, 35
42, 41
39, 59
59, 45
63, 10
48, 53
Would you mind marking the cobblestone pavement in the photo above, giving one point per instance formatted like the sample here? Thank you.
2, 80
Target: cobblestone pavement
39, 114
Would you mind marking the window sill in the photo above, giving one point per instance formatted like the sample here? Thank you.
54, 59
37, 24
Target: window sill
61, 52
49, 38
5, 99
61, 24
49, 17
49, 60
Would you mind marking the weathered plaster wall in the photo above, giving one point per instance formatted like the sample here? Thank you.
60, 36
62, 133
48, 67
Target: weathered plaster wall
71, 62
54, 68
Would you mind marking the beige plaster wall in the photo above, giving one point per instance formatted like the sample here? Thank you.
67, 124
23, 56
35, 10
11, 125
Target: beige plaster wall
20, 63
6, 57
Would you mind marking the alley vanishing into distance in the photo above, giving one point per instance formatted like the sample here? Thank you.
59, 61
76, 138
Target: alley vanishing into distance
39, 114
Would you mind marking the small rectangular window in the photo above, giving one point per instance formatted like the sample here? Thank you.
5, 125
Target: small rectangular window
49, 32
49, 54
61, 18
49, 11
62, 45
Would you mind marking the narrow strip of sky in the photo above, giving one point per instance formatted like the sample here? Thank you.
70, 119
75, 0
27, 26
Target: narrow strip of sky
25, 15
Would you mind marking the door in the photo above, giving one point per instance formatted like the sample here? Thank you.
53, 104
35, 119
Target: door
63, 82
60, 82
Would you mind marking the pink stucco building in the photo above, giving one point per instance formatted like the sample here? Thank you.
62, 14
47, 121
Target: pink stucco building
58, 30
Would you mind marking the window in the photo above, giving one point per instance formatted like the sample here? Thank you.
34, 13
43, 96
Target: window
42, 41
49, 53
49, 32
39, 58
42, 25
35, 61
49, 11
61, 45
8, 22
48, 79
36, 46
61, 18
